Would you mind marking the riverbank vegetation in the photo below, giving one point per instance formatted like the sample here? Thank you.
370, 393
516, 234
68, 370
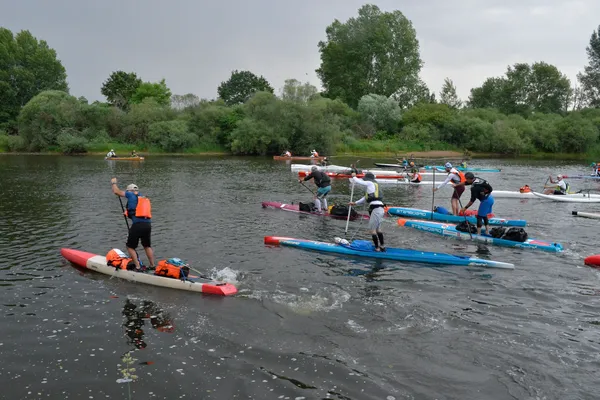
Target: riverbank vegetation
364, 107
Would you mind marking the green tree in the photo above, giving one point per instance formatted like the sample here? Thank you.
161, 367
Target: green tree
590, 78
180, 102
294, 90
448, 95
524, 89
376, 52
27, 67
158, 91
241, 86
382, 112
171, 135
120, 87
45, 116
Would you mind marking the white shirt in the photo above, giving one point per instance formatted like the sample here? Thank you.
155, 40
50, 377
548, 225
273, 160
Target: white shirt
562, 185
370, 189
452, 176
110, 154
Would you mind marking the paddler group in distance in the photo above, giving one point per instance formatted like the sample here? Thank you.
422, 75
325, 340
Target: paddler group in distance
111, 155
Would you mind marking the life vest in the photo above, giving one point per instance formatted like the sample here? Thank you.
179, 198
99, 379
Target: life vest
172, 268
374, 196
525, 189
142, 210
566, 190
315, 154
287, 154
460, 174
116, 258
416, 177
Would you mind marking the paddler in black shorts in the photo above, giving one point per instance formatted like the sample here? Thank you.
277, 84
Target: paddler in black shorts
455, 177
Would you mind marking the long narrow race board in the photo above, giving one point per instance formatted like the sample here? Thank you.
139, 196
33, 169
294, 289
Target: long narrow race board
296, 209
585, 214
569, 198
427, 214
97, 263
364, 248
446, 230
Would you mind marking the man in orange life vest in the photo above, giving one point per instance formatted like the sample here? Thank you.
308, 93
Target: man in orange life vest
138, 210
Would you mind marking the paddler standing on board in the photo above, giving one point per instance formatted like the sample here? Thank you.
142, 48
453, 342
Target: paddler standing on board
374, 198
323, 183
480, 190
139, 211
454, 178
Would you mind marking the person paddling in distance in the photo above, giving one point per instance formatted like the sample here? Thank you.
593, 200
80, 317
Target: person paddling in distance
139, 211
111, 153
561, 187
454, 178
374, 198
286, 154
414, 176
314, 154
480, 190
134, 154
323, 183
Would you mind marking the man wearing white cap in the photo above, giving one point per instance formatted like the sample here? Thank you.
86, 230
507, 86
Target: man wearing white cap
561, 187
139, 211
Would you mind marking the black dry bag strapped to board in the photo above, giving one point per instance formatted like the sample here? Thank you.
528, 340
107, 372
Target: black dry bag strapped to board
342, 211
466, 227
306, 207
515, 234
497, 231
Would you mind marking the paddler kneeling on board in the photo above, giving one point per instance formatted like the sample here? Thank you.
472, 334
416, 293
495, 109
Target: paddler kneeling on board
480, 190
561, 187
415, 176
323, 183
374, 198
286, 154
139, 211
111, 153
455, 177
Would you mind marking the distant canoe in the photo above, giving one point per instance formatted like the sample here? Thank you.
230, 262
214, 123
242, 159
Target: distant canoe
124, 158
298, 158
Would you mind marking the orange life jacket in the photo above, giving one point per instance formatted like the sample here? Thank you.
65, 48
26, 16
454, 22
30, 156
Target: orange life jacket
416, 177
315, 154
525, 189
143, 208
116, 258
460, 174
171, 269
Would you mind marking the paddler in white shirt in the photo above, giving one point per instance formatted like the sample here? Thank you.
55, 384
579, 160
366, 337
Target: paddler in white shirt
374, 199
454, 178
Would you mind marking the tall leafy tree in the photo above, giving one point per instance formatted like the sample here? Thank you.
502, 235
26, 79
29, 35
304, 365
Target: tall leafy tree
158, 91
448, 94
27, 67
294, 90
241, 86
120, 87
180, 102
376, 52
590, 78
525, 88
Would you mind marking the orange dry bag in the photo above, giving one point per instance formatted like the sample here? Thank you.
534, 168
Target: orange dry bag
116, 258
172, 268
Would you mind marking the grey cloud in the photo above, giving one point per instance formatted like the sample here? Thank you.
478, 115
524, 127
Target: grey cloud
195, 45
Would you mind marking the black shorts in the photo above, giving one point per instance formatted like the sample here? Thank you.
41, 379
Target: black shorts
458, 191
139, 231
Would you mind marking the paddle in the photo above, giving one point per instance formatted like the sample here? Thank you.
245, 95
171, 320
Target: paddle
307, 188
433, 198
464, 215
349, 208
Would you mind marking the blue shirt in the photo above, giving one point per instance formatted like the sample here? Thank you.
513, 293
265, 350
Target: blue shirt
132, 201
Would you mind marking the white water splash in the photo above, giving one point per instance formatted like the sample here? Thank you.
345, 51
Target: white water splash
226, 274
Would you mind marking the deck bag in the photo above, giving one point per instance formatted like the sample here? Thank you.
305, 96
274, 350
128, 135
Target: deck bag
497, 232
306, 207
515, 234
343, 210
473, 213
172, 268
525, 189
466, 227
116, 258
441, 210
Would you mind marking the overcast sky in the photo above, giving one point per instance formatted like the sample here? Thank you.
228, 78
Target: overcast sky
195, 44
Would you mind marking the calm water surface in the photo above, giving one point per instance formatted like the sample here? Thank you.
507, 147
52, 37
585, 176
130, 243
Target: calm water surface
304, 325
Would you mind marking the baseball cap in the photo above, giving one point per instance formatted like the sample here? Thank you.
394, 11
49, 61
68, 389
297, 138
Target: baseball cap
132, 187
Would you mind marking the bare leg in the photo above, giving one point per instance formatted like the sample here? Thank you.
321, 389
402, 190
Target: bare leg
455, 208
150, 255
134, 256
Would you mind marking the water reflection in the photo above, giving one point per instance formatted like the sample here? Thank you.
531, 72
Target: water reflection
136, 313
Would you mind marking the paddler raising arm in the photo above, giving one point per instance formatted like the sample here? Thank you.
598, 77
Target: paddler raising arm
374, 198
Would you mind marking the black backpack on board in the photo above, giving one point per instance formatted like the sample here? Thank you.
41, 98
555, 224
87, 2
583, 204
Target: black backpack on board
342, 211
515, 234
466, 227
306, 207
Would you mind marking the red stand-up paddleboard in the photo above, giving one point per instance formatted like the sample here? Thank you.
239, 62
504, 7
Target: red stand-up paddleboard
97, 263
593, 261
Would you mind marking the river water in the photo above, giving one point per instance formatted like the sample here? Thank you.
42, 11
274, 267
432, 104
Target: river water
303, 325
